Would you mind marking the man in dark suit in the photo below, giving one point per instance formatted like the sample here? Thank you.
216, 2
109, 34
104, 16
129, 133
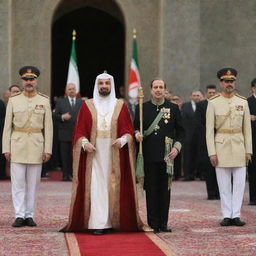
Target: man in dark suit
176, 99
66, 114
252, 165
204, 163
191, 140
162, 122
2, 158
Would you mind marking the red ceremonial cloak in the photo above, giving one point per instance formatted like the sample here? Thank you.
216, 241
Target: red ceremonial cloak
122, 187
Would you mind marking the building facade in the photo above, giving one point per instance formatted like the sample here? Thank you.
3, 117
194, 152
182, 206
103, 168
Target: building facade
182, 41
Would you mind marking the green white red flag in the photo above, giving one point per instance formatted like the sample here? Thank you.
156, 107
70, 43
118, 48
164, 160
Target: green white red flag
134, 77
73, 76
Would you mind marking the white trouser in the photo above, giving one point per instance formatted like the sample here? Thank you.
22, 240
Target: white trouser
25, 180
231, 196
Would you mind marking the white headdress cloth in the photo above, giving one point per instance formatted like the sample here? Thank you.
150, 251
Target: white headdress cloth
104, 104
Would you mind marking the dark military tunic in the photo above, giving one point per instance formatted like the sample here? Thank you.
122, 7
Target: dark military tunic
156, 178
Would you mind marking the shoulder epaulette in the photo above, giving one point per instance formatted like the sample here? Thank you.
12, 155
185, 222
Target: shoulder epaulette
214, 97
240, 96
44, 95
16, 94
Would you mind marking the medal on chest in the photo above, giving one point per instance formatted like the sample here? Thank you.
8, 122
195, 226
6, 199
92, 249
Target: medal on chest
157, 127
166, 114
239, 107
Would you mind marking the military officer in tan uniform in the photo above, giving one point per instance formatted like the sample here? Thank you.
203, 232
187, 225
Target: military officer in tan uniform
229, 143
27, 143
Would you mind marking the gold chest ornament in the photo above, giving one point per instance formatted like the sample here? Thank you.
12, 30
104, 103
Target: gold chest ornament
166, 115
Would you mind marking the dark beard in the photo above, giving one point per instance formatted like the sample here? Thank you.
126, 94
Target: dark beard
104, 92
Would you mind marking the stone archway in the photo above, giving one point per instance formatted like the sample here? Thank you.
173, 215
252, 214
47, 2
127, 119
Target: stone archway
100, 44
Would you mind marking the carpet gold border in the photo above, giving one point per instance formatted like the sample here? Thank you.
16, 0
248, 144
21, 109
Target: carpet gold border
72, 243
165, 248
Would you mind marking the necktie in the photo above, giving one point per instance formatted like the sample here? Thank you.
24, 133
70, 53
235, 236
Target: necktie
72, 103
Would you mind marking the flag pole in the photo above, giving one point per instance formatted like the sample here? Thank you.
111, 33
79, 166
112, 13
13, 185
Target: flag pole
140, 160
141, 98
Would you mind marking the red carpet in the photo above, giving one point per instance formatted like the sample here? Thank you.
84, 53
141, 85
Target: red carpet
193, 219
119, 244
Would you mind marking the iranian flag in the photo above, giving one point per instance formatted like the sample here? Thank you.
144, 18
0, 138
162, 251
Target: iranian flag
134, 78
73, 76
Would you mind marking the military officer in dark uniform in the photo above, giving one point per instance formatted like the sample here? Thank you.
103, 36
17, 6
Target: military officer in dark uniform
252, 165
161, 123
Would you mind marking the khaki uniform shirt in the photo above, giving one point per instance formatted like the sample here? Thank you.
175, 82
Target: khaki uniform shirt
28, 128
228, 130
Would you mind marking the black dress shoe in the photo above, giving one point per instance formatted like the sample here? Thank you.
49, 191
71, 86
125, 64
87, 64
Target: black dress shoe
19, 222
5, 178
202, 178
30, 222
108, 230
213, 198
66, 179
165, 229
156, 230
252, 203
98, 232
238, 222
45, 175
226, 222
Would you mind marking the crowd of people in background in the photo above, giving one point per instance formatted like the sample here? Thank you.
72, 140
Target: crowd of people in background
193, 162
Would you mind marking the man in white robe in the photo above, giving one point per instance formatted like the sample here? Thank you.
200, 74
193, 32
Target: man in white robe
105, 164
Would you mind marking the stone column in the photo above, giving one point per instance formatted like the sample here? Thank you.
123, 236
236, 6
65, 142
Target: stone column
5, 44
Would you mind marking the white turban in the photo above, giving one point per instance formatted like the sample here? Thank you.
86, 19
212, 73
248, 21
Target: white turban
104, 104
